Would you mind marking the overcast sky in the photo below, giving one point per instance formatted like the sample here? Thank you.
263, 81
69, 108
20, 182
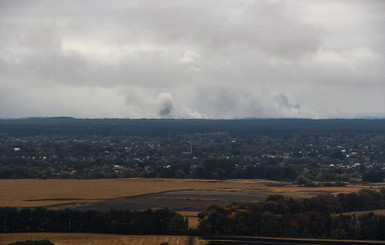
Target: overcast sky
192, 58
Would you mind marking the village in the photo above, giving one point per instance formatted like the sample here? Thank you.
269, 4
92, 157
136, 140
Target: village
331, 156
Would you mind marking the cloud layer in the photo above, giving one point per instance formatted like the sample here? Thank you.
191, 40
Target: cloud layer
192, 59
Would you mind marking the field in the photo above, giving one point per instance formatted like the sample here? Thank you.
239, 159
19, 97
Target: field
51, 192
99, 239
188, 196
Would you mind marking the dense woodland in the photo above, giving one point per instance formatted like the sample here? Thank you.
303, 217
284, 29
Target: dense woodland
162, 221
280, 216
302, 150
32, 242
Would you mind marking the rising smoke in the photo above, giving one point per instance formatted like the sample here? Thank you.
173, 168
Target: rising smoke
283, 102
166, 105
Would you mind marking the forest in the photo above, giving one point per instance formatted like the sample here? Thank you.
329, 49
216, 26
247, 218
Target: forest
161, 221
171, 127
318, 217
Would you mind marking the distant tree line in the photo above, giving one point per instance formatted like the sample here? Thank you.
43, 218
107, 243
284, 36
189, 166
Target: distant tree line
168, 127
32, 242
373, 175
158, 222
280, 216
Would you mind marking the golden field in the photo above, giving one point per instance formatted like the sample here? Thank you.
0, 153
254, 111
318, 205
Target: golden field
99, 239
33, 192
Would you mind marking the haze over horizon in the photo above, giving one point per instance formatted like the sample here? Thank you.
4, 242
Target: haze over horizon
219, 59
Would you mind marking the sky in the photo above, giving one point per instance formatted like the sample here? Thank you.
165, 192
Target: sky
216, 59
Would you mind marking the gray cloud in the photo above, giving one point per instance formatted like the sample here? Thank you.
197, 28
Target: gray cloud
218, 59
266, 26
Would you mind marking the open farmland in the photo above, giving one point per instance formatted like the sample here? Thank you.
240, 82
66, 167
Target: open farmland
149, 193
187, 196
99, 239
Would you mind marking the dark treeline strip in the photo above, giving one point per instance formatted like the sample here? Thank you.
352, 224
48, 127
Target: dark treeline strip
32, 242
166, 127
319, 217
236, 240
158, 222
